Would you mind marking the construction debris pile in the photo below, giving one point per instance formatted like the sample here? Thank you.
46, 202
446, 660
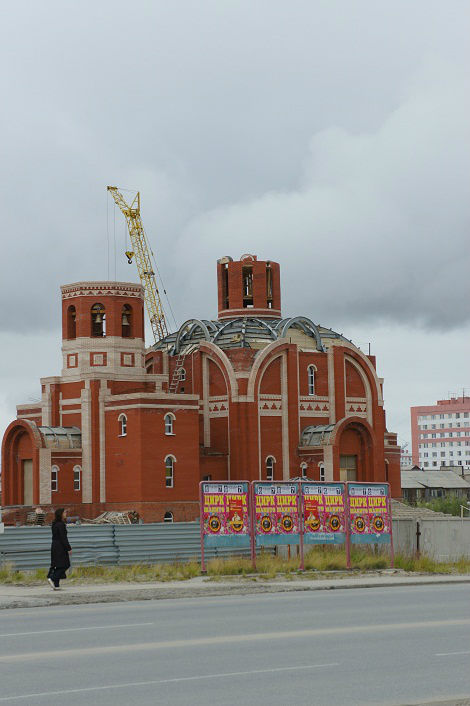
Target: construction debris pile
36, 517
128, 517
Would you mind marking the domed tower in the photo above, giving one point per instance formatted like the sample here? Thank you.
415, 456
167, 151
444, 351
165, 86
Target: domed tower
249, 287
103, 328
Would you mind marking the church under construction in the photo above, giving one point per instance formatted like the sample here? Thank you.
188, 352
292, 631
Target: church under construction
250, 395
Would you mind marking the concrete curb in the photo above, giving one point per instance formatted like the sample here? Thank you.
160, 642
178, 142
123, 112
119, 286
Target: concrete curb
162, 592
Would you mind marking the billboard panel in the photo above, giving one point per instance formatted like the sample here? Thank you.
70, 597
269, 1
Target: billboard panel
276, 513
324, 512
225, 514
370, 519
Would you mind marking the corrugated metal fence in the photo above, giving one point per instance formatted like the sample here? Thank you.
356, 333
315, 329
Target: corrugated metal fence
29, 547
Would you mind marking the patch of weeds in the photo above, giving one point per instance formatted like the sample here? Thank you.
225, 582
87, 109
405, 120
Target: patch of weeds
319, 562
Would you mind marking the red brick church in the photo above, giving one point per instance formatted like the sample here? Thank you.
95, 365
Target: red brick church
251, 395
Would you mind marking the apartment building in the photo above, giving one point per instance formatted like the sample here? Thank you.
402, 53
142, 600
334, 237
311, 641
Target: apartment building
441, 434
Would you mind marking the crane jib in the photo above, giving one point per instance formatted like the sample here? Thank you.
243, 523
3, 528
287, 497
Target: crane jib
141, 254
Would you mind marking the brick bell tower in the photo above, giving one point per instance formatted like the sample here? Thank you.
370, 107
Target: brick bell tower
249, 287
103, 329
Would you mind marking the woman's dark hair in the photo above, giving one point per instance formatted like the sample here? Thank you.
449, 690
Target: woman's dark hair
58, 514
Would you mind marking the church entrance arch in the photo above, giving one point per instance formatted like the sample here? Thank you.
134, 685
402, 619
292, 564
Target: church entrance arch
354, 452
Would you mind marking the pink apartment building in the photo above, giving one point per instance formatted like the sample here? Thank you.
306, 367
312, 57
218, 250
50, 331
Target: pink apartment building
440, 434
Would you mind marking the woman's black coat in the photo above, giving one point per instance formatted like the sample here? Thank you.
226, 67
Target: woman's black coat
60, 546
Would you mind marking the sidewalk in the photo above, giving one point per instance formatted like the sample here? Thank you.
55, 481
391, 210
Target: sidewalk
33, 596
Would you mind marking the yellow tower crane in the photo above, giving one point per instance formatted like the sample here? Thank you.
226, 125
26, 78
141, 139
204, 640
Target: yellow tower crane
142, 253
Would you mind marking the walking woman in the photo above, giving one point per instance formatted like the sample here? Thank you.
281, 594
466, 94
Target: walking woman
60, 550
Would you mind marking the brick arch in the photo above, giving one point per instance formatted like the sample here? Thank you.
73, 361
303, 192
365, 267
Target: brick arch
262, 361
270, 377
218, 431
352, 353
20, 435
355, 386
371, 400
220, 359
355, 436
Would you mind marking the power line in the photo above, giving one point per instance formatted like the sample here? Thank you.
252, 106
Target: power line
107, 233
114, 239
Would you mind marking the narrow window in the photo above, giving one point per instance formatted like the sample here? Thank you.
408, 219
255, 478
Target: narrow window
168, 517
122, 419
311, 379
225, 287
270, 462
303, 470
77, 472
54, 478
169, 419
71, 322
98, 321
182, 375
247, 276
269, 287
169, 471
322, 472
126, 321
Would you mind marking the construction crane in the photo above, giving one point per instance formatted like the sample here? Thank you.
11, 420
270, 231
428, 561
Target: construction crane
142, 253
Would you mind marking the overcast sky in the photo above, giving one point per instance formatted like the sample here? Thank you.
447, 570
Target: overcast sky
332, 137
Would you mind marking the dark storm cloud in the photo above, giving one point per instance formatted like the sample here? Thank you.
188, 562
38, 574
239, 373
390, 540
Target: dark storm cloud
378, 228
330, 136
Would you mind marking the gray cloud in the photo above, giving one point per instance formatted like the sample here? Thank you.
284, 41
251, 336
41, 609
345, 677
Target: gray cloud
378, 228
312, 134
329, 136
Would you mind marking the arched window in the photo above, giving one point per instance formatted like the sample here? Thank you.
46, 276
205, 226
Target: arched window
311, 379
54, 478
322, 471
98, 320
122, 419
126, 321
182, 375
169, 471
168, 516
270, 463
77, 473
303, 470
169, 421
71, 322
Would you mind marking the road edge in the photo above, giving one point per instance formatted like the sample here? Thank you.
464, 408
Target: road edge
208, 590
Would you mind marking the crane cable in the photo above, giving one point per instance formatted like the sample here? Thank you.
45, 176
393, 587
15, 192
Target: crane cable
162, 283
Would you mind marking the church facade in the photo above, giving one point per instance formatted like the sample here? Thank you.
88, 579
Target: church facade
250, 395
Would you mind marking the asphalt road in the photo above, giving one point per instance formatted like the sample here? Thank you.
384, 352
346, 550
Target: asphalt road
364, 646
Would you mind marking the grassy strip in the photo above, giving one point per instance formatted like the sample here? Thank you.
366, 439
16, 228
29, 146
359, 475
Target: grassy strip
107, 574
318, 561
323, 560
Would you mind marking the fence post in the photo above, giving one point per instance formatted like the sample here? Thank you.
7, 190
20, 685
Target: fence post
300, 505
115, 544
251, 505
418, 535
201, 529
347, 516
